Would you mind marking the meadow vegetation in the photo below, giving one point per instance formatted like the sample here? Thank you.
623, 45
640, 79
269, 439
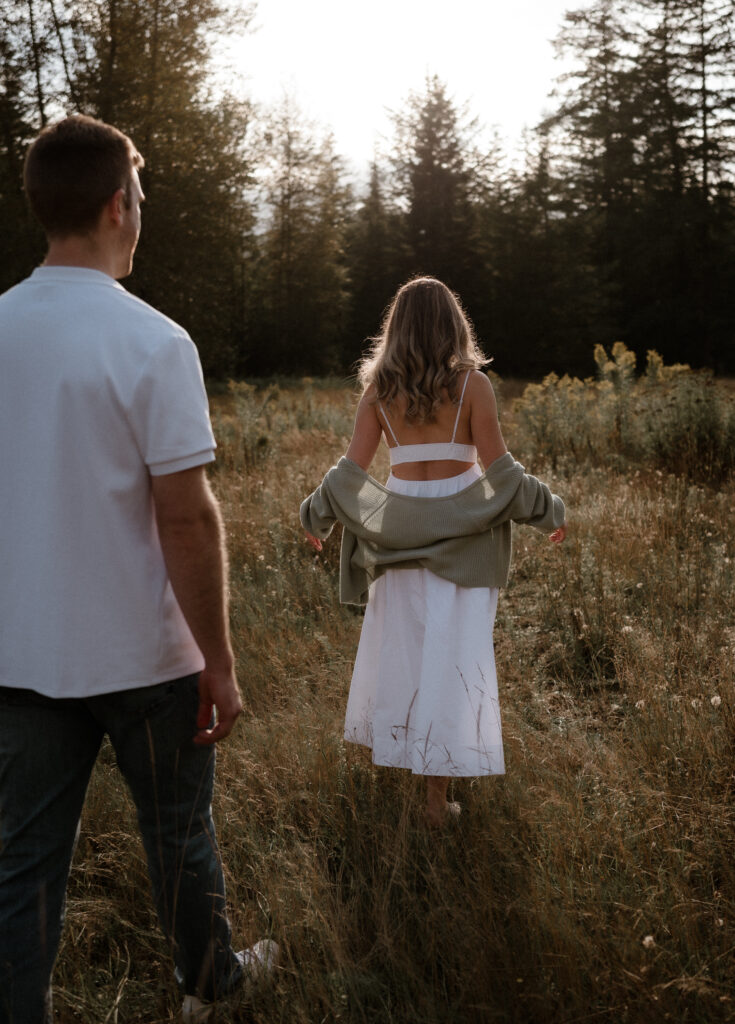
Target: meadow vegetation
596, 880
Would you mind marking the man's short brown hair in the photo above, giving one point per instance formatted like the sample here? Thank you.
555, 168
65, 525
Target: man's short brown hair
72, 169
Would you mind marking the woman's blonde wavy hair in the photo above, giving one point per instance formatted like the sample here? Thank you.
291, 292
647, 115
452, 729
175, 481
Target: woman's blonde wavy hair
425, 344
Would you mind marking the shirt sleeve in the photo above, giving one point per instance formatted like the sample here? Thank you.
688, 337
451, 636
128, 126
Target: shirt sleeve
169, 411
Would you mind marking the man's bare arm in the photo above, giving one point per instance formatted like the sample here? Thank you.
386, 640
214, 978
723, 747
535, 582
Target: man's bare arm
192, 539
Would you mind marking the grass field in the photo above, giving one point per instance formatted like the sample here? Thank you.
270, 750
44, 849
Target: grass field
595, 882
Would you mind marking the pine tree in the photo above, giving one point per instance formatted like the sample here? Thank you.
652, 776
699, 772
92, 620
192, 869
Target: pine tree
19, 97
544, 289
143, 65
685, 94
646, 151
710, 57
300, 279
436, 174
663, 109
375, 262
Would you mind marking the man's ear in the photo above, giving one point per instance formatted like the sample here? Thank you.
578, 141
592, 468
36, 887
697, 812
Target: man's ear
115, 206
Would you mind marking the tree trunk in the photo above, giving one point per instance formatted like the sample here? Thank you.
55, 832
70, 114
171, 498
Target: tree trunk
36, 51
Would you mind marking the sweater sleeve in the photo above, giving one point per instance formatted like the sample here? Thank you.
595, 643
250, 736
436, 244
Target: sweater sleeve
535, 505
317, 512
520, 497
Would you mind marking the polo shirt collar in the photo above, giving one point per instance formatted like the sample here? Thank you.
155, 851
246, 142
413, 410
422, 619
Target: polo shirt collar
74, 275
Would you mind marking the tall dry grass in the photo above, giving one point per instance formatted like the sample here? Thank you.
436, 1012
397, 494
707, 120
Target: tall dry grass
594, 882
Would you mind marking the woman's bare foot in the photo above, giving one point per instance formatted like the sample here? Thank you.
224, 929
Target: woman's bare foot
438, 816
438, 809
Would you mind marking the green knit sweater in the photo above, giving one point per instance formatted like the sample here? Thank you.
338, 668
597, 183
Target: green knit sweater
463, 537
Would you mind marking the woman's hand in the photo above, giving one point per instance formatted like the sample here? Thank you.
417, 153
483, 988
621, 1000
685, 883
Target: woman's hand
314, 541
558, 535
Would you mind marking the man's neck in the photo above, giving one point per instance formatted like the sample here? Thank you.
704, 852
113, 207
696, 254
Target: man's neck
82, 251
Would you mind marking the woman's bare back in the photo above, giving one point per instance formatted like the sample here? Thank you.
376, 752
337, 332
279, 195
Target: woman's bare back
477, 425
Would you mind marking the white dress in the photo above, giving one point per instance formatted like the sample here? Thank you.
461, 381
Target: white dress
424, 693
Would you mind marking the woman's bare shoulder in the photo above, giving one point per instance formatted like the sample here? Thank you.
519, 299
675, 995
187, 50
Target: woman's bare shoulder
480, 388
368, 405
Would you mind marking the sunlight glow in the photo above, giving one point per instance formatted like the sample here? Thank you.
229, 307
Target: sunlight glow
347, 63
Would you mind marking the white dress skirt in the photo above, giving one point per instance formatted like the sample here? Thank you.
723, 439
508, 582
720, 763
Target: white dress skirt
424, 693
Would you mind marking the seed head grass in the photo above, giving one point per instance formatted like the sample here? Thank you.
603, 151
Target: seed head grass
595, 881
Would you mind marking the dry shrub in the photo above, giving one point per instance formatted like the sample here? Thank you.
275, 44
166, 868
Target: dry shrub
670, 418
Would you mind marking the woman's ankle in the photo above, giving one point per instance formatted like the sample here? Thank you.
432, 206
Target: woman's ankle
437, 787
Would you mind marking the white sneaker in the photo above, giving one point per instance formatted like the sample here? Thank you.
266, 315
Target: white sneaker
260, 959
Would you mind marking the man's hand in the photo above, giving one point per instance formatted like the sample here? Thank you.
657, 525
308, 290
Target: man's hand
558, 535
314, 541
217, 691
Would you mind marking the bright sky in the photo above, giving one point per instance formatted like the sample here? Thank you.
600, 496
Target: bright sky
346, 61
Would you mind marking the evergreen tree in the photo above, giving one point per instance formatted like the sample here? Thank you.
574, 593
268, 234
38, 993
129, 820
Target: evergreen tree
22, 240
644, 131
300, 279
620, 227
598, 119
681, 286
143, 65
436, 174
375, 263
663, 109
710, 57
543, 286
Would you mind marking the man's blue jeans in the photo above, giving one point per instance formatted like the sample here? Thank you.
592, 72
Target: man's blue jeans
47, 751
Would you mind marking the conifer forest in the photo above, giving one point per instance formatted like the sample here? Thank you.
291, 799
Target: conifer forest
617, 224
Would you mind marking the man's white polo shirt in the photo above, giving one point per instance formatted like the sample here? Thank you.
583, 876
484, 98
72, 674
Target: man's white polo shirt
98, 391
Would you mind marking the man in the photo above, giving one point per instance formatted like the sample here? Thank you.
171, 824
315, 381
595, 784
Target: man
113, 608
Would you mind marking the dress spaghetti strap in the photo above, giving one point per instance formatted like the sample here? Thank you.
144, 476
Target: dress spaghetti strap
459, 410
456, 419
387, 421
